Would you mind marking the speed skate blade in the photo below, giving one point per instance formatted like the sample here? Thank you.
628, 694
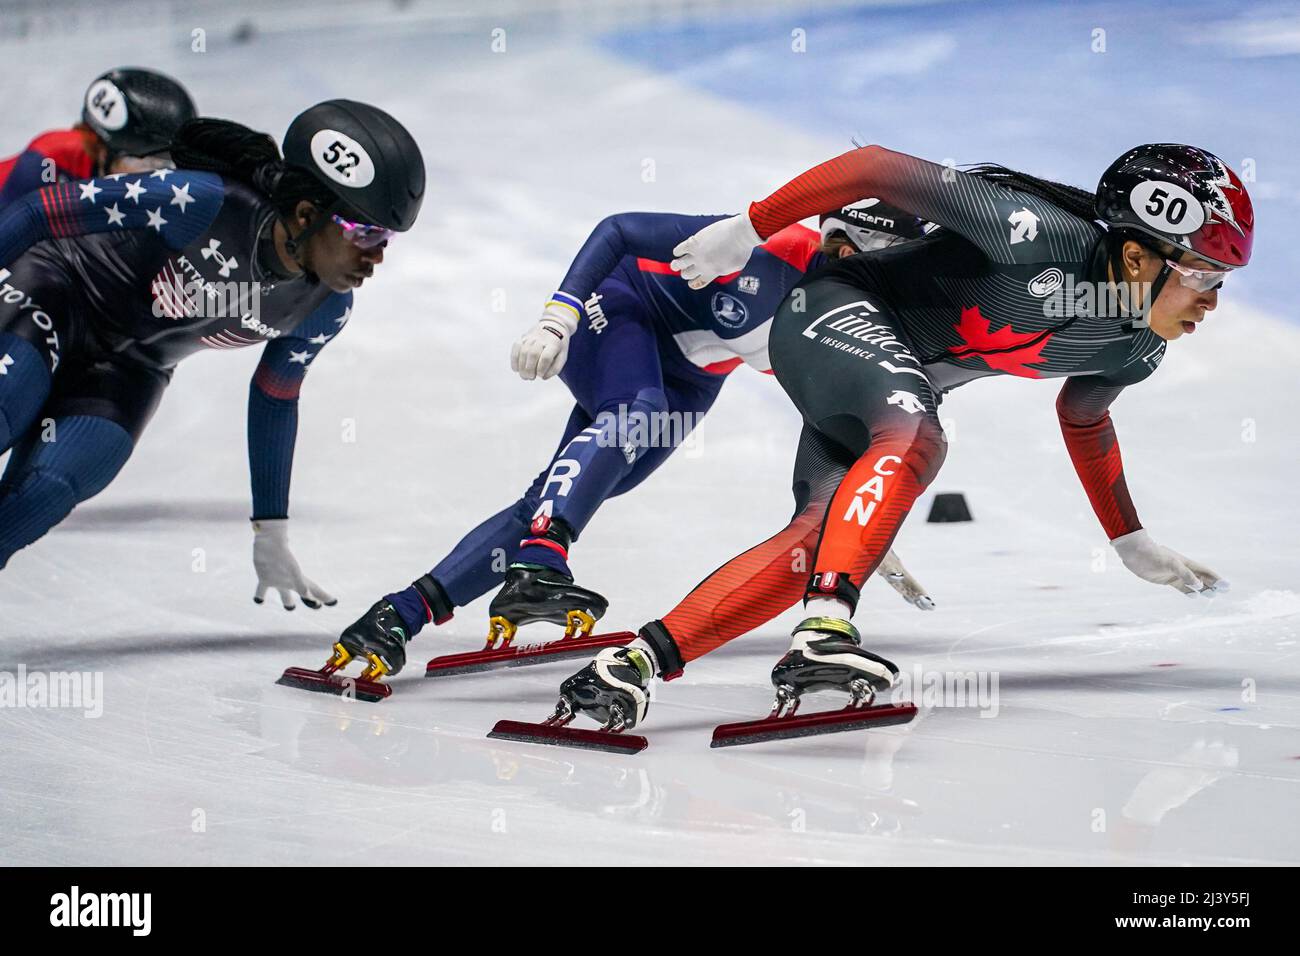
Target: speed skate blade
568, 737
809, 725
339, 685
521, 655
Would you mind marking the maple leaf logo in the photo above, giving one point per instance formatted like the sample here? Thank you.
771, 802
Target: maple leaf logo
1011, 351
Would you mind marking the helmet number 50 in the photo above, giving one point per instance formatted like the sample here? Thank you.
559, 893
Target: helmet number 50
1174, 211
1167, 207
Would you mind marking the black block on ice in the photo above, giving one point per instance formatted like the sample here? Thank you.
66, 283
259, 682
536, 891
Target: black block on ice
949, 506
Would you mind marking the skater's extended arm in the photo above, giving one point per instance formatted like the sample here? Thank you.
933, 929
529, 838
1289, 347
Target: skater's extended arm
542, 350
273, 403
644, 235
272, 434
178, 206
1003, 223
1083, 408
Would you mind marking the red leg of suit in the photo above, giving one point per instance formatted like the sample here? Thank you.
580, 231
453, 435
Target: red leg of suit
751, 589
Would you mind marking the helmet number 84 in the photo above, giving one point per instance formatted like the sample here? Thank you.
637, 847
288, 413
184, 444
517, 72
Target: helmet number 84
338, 156
104, 103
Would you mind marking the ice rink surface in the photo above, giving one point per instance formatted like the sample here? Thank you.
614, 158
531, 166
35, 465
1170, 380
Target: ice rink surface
1130, 724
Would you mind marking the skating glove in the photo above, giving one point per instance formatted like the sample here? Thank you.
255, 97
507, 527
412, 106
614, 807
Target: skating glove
719, 249
892, 570
542, 350
277, 567
1160, 565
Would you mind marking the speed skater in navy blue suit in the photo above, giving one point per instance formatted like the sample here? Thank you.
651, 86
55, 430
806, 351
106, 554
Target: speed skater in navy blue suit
107, 284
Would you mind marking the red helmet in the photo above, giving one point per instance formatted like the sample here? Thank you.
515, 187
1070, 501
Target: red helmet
1181, 195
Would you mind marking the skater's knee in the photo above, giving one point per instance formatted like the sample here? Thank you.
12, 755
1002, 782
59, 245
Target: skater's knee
82, 453
920, 445
622, 409
635, 421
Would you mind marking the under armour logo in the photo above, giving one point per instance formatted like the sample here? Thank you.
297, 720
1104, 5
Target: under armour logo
907, 401
213, 252
5, 362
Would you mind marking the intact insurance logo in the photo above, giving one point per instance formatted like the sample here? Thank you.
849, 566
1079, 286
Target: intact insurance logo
81, 909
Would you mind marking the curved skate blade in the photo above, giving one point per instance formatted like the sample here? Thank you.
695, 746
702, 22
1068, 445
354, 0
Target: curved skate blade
522, 655
811, 725
330, 683
568, 737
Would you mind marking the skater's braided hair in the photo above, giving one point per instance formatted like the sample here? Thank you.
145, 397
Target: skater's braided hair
237, 152
1078, 202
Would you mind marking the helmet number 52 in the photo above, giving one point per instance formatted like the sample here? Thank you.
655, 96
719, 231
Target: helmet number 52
341, 158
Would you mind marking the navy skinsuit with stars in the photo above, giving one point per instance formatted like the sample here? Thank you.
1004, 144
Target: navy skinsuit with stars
105, 285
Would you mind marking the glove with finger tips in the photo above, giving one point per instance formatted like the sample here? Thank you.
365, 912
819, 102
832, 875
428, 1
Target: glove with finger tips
542, 350
719, 249
277, 568
1160, 565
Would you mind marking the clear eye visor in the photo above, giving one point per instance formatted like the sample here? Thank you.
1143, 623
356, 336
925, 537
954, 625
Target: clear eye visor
1199, 280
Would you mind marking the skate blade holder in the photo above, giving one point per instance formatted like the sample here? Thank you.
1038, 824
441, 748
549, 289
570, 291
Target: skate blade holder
502, 630
523, 655
559, 735
810, 725
327, 680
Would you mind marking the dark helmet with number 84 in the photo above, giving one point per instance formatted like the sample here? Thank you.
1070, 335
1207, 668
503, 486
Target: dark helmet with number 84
134, 111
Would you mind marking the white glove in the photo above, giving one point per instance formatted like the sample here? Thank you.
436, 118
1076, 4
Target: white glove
1160, 565
892, 570
719, 249
543, 349
277, 567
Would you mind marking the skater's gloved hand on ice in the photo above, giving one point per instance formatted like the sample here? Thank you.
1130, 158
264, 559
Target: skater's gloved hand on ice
892, 570
542, 350
277, 567
1160, 565
719, 249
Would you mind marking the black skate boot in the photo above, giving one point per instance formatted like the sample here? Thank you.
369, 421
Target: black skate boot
378, 637
825, 654
612, 690
378, 640
533, 593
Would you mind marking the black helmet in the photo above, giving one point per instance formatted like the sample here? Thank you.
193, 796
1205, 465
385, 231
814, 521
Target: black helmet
872, 224
136, 111
1182, 195
364, 157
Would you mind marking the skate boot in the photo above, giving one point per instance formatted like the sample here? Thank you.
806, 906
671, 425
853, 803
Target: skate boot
825, 654
379, 638
533, 593
612, 690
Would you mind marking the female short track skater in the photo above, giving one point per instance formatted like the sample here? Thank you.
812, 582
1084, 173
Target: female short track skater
128, 118
106, 284
644, 356
1027, 278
